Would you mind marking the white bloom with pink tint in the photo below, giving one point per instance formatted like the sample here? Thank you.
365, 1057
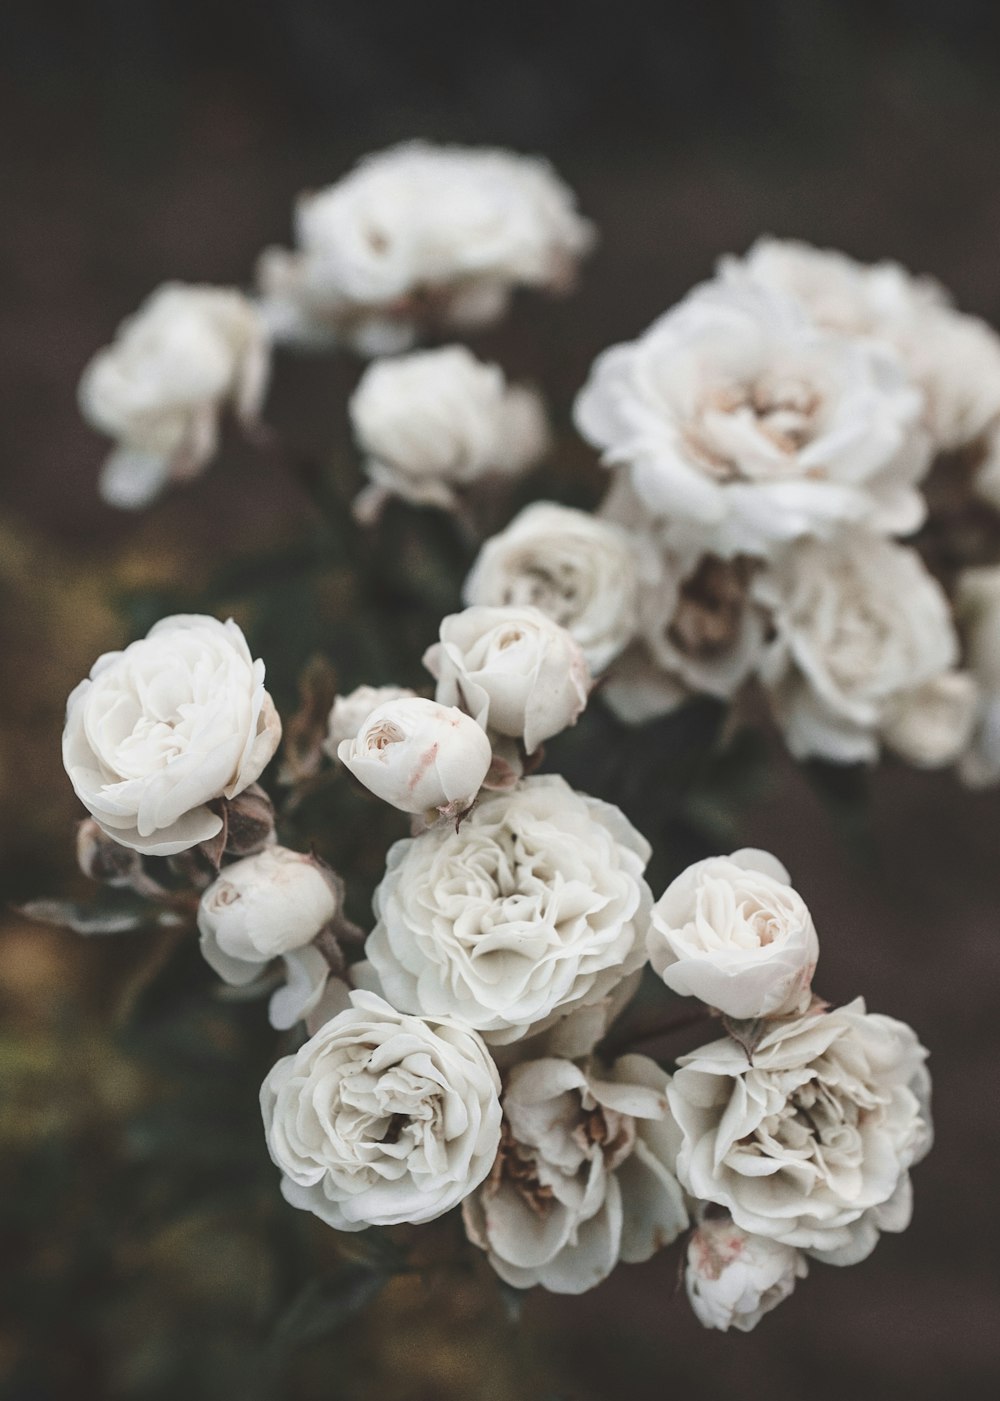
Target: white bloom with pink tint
733, 1279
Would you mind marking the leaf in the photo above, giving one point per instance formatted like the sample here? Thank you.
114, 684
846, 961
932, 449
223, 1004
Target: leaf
105, 916
323, 1306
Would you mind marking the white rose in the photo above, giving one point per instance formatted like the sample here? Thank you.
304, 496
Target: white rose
350, 712
747, 426
438, 420
159, 732
382, 1118
810, 1142
514, 670
977, 602
534, 908
579, 570
584, 1177
160, 387
419, 755
731, 931
733, 1279
859, 624
932, 725
421, 235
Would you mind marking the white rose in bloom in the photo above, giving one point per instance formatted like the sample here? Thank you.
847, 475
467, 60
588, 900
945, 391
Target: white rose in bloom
421, 235
859, 624
514, 670
579, 570
438, 420
746, 425
162, 730
419, 755
382, 1118
734, 1279
811, 1142
534, 908
932, 726
270, 905
160, 387
350, 712
731, 931
977, 602
584, 1177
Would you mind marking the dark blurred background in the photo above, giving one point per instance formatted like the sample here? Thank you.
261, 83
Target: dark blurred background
153, 139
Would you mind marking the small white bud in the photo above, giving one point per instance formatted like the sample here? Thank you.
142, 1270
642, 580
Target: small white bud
733, 1279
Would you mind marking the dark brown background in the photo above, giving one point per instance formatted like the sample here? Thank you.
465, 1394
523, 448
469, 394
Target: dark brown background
146, 140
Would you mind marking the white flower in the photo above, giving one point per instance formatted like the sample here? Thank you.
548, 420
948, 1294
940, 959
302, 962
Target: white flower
810, 1142
350, 712
859, 624
579, 570
163, 730
382, 1118
514, 670
731, 931
535, 907
746, 425
584, 1177
932, 726
440, 420
160, 387
977, 602
733, 1279
419, 755
421, 236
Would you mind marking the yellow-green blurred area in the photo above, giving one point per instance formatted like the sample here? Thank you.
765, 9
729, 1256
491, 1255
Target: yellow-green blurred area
146, 1252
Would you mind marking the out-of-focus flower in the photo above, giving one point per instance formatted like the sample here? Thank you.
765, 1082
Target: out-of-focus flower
419, 756
810, 1142
733, 1279
350, 712
161, 386
437, 421
584, 1177
161, 731
421, 237
534, 908
514, 670
731, 931
382, 1118
933, 725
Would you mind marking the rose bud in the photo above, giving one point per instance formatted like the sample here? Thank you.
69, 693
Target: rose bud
731, 931
249, 822
350, 712
419, 756
733, 1279
102, 859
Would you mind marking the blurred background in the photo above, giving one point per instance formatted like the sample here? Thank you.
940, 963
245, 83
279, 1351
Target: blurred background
153, 139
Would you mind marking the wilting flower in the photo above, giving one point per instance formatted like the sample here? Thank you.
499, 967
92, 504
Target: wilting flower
514, 670
382, 1118
421, 236
419, 755
268, 906
977, 602
437, 421
745, 425
160, 388
731, 931
859, 626
579, 570
733, 1279
810, 1142
350, 712
584, 1177
161, 731
535, 907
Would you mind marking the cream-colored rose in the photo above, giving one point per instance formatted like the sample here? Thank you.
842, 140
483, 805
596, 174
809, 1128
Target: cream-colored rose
859, 625
382, 1118
534, 908
584, 1177
745, 425
579, 570
810, 1142
437, 421
731, 931
977, 603
419, 756
162, 730
932, 726
421, 237
733, 1279
160, 388
350, 712
514, 670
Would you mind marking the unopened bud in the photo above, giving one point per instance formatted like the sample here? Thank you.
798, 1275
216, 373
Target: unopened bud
733, 1279
102, 859
249, 822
